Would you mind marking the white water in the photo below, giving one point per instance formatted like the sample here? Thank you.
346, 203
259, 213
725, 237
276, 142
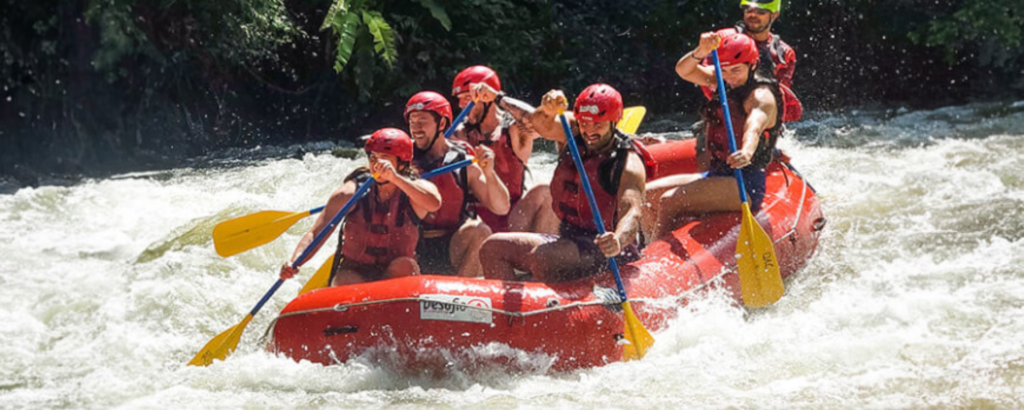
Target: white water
914, 300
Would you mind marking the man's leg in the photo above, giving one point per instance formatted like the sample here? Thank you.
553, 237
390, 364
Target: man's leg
504, 253
401, 267
465, 247
533, 213
652, 205
557, 261
711, 194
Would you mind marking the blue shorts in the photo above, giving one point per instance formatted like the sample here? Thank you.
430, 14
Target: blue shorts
753, 177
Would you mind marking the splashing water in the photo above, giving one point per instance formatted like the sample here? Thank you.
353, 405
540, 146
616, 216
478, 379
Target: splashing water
914, 300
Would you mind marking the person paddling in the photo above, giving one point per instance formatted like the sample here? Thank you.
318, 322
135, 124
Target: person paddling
378, 239
777, 58
451, 239
502, 123
756, 117
617, 175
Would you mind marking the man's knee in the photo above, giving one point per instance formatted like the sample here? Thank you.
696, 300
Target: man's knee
493, 245
473, 231
403, 266
538, 195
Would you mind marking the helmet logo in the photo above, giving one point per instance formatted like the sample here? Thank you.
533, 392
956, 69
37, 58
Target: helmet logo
415, 107
592, 109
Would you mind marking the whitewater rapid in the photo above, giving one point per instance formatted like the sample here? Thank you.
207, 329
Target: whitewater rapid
915, 298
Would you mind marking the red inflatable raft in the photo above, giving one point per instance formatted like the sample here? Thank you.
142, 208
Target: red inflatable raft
424, 321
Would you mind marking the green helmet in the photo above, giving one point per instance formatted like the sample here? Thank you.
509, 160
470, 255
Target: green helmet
771, 5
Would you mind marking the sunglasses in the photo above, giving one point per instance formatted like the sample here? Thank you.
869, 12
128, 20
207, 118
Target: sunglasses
756, 10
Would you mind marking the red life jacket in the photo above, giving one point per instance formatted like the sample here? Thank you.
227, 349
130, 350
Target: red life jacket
772, 57
453, 187
718, 136
377, 233
509, 167
792, 109
604, 170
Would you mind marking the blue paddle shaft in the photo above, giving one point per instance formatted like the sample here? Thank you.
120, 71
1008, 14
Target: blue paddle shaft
317, 240
571, 142
360, 193
443, 170
728, 122
266, 297
458, 120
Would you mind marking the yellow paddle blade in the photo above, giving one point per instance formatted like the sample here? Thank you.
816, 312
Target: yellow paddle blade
631, 119
238, 235
640, 340
760, 279
221, 346
320, 278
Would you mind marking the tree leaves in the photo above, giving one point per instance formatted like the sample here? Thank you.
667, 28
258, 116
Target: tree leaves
351, 21
987, 24
345, 26
332, 14
438, 13
383, 36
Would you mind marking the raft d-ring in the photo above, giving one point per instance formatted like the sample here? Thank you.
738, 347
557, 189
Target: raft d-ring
552, 303
819, 223
340, 308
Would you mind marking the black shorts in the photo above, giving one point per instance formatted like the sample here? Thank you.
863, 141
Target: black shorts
592, 260
369, 272
434, 255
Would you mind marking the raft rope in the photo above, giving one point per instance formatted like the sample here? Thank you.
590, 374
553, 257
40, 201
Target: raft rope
341, 307
799, 208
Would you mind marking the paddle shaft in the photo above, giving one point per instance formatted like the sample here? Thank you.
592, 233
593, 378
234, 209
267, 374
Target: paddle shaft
317, 239
439, 171
458, 120
443, 170
728, 122
571, 142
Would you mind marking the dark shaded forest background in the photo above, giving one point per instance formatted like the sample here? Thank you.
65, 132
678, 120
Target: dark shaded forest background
92, 87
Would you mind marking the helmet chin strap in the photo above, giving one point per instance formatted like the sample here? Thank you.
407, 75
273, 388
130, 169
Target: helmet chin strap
437, 133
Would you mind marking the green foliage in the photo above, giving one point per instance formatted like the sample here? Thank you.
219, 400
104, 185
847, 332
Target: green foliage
225, 33
990, 29
91, 80
119, 36
349, 21
437, 12
346, 26
383, 37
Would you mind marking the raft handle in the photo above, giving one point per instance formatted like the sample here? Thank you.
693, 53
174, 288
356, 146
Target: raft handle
339, 330
819, 223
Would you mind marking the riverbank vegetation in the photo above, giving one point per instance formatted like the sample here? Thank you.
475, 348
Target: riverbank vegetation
98, 86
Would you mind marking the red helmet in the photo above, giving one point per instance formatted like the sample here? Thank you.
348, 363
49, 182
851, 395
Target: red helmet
391, 141
475, 74
598, 102
736, 48
431, 102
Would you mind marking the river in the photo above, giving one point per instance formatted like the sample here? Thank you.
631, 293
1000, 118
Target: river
915, 298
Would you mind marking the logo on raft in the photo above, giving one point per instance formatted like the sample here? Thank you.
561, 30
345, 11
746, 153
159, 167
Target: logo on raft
456, 308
